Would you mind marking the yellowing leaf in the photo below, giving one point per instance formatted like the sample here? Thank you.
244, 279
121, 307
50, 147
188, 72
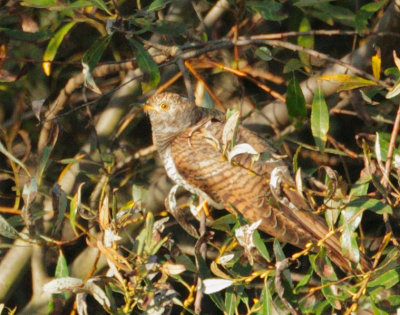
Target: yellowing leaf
348, 82
376, 66
52, 46
396, 60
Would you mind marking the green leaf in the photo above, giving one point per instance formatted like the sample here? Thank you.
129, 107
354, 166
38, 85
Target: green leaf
93, 54
268, 9
305, 41
385, 281
295, 102
331, 297
319, 119
39, 3
263, 53
147, 65
348, 241
374, 6
7, 230
61, 267
292, 65
266, 300
304, 280
338, 13
43, 163
375, 309
157, 5
231, 301
371, 204
308, 3
53, 45
361, 21
260, 245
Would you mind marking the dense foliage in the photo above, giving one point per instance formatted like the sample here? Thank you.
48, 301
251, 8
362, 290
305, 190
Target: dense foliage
83, 226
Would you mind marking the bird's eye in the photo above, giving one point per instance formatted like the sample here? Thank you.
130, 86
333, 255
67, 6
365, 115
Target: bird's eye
164, 106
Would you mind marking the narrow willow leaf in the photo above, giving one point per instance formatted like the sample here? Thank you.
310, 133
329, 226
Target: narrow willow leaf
13, 158
386, 280
260, 245
39, 3
74, 207
295, 101
347, 82
92, 56
376, 66
231, 301
394, 91
215, 285
305, 41
157, 5
146, 64
7, 230
371, 204
63, 284
53, 45
319, 119
348, 241
97, 292
61, 267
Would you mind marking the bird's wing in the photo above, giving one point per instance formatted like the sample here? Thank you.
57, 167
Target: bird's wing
243, 185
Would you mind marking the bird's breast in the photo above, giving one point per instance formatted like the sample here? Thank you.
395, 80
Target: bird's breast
173, 173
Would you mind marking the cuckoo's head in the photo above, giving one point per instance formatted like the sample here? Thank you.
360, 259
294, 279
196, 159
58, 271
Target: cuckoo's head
169, 112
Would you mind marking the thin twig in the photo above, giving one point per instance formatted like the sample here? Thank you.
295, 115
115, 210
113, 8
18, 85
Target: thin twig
388, 167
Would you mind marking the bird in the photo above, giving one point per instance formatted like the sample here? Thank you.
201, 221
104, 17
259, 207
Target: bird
254, 180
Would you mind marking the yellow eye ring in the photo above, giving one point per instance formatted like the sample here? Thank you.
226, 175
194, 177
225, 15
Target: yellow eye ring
164, 106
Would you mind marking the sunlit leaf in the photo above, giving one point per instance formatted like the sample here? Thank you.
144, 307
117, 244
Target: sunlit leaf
215, 285
53, 45
39, 3
61, 266
394, 91
384, 281
348, 82
63, 284
295, 101
260, 245
376, 66
319, 119
243, 148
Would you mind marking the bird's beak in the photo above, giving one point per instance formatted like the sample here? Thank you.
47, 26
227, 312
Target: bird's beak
148, 108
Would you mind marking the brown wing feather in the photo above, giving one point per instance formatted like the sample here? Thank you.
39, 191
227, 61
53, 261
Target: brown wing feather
243, 186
